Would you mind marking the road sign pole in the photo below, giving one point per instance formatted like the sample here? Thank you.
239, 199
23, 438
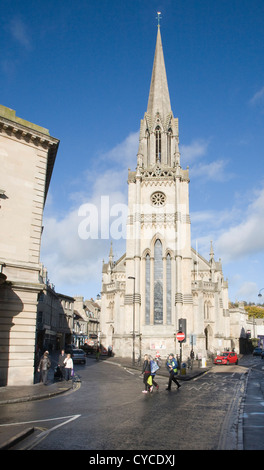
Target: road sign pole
180, 354
180, 337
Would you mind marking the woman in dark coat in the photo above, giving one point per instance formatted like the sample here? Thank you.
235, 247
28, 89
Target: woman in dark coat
146, 372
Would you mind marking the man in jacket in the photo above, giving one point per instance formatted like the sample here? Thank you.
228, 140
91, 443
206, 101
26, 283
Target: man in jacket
172, 367
43, 368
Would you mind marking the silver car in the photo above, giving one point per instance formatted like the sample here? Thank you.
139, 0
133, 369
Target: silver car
78, 356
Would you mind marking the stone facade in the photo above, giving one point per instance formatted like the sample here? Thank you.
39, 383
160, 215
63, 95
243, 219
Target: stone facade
86, 321
55, 314
27, 156
161, 280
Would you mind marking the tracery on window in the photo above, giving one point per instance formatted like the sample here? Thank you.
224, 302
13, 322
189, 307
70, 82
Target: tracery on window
158, 144
158, 199
169, 147
147, 291
168, 284
158, 283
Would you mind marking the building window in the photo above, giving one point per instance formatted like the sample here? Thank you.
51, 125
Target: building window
147, 293
158, 144
168, 284
148, 152
169, 147
158, 283
158, 199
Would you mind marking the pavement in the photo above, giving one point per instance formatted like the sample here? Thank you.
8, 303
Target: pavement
18, 394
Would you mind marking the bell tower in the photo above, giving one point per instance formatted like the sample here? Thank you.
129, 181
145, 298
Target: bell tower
158, 254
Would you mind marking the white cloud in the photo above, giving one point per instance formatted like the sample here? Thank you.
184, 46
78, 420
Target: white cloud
258, 98
124, 153
236, 232
246, 237
198, 148
72, 261
206, 171
19, 32
214, 171
247, 290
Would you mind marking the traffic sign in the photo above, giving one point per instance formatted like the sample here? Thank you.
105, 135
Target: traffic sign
180, 336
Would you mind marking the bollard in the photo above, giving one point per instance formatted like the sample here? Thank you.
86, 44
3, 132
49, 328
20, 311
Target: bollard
203, 362
183, 369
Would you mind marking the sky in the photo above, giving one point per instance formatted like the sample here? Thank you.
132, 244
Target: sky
83, 70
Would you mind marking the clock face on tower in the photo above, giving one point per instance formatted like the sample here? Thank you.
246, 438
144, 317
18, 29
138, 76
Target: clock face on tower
158, 199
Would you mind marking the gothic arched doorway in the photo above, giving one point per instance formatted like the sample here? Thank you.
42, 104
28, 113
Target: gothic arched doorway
208, 338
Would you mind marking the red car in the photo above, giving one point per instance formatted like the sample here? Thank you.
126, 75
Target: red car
226, 358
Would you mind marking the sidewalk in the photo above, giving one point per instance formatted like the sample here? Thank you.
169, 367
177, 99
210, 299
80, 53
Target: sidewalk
23, 393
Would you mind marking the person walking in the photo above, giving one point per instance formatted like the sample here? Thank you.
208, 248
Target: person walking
172, 367
61, 364
43, 367
68, 367
154, 366
147, 373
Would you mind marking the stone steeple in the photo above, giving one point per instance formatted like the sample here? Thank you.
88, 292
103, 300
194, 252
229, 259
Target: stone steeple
159, 98
159, 133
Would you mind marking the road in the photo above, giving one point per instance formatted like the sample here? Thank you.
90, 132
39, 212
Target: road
109, 412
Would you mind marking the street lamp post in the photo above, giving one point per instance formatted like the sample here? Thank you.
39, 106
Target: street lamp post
259, 294
133, 338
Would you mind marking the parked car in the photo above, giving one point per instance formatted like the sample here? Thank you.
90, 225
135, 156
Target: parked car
226, 358
257, 352
78, 356
262, 354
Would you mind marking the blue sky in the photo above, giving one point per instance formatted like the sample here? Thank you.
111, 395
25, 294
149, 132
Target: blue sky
83, 69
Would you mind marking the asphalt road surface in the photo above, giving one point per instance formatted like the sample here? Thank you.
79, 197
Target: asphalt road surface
108, 411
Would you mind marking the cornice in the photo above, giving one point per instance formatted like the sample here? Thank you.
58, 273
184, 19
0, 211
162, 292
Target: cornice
28, 135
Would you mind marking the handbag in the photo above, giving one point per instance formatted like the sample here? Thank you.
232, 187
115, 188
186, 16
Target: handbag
149, 381
153, 367
72, 372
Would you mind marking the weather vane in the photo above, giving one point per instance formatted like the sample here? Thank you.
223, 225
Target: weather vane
158, 17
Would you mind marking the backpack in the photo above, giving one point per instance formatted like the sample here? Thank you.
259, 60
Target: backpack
153, 367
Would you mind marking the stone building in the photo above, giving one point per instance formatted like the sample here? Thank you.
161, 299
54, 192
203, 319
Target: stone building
55, 317
86, 322
27, 156
161, 284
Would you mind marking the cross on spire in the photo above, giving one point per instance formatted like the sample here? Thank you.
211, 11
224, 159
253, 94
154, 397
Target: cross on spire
159, 17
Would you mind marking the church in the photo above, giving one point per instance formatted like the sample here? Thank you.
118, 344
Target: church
162, 285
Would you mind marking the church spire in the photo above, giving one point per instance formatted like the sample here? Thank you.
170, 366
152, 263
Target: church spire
159, 98
159, 131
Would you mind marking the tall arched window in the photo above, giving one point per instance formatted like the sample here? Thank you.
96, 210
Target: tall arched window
158, 283
168, 292
147, 291
148, 156
169, 147
158, 144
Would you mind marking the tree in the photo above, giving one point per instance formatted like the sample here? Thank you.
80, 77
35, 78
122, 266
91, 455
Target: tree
254, 311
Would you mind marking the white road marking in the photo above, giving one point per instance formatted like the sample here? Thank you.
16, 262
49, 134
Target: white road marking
72, 417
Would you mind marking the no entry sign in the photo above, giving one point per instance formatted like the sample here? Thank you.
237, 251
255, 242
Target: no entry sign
180, 336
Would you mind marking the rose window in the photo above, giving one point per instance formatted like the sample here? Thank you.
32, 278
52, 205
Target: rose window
158, 199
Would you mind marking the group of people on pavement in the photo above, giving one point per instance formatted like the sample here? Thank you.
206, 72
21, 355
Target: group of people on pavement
64, 367
150, 367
